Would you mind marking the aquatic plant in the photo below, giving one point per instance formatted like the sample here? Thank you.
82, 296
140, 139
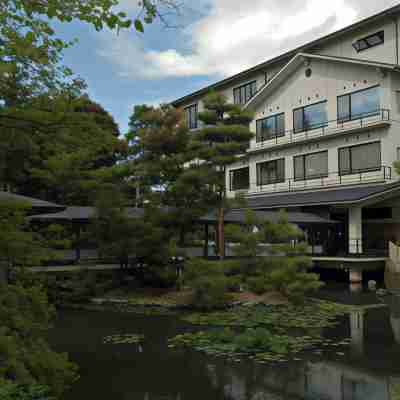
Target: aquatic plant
128, 338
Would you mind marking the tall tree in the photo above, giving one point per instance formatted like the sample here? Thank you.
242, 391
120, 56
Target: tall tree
161, 161
224, 137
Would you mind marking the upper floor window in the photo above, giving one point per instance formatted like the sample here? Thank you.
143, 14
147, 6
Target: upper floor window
310, 117
271, 127
239, 179
242, 94
360, 158
191, 116
311, 166
369, 41
362, 103
271, 172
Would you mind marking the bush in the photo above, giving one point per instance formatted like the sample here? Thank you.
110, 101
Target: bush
13, 391
209, 283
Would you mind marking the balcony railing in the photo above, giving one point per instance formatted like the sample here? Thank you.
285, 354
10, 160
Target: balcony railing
380, 174
329, 128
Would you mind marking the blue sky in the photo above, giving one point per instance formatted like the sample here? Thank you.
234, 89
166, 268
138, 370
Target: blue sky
214, 39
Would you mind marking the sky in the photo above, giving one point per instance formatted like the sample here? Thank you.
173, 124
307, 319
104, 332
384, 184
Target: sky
207, 41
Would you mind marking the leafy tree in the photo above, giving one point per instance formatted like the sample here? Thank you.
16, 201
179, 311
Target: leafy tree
25, 356
224, 137
19, 246
271, 257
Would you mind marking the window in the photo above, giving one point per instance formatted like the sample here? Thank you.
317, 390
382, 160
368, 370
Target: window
369, 41
311, 166
310, 117
239, 179
360, 158
271, 172
271, 127
191, 116
363, 103
242, 94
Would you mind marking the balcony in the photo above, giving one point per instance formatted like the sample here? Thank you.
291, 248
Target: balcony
380, 175
330, 129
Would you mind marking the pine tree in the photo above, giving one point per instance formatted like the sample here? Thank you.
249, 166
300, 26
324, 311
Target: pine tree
271, 256
224, 137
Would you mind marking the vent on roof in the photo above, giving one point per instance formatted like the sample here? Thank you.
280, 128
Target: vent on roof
369, 41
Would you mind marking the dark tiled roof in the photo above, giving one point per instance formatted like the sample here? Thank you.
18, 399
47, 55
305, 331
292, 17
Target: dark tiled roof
79, 214
35, 203
239, 216
337, 196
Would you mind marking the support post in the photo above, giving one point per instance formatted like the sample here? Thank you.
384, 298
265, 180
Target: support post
206, 240
357, 332
355, 230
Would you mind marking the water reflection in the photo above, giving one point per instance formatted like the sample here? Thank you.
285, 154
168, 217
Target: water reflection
369, 369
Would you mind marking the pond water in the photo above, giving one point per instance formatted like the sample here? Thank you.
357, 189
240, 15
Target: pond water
369, 369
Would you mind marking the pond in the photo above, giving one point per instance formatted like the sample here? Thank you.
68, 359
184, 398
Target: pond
369, 368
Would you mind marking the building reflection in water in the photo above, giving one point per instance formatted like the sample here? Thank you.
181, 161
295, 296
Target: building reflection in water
355, 376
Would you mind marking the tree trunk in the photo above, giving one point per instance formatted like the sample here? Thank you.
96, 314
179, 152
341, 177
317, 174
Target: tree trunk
221, 234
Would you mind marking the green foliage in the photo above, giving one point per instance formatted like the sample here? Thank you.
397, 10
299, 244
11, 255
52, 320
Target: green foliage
25, 356
161, 161
13, 391
209, 283
224, 137
271, 257
19, 246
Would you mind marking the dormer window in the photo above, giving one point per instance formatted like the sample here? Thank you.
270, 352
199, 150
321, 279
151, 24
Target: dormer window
369, 41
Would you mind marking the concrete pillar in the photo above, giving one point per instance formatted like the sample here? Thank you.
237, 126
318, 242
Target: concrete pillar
357, 332
355, 230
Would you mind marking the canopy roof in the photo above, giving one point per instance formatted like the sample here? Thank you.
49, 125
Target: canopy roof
84, 214
339, 196
35, 203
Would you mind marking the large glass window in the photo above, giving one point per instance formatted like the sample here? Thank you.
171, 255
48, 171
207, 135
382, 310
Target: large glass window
310, 117
311, 166
360, 158
191, 116
239, 179
271, 127
369, 41
359, 104
242, 94
271, 172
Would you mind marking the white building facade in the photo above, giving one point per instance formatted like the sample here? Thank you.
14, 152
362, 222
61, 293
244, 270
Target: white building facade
326, 132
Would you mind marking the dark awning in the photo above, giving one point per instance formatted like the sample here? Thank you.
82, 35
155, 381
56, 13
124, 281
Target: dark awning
79, 214
35, 203
239, 217
317, 197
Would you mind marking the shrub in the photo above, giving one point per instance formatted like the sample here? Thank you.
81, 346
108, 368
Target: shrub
209, 283
13, 391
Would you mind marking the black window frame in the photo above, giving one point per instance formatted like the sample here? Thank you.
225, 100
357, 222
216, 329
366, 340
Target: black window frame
295, 131
189, 120
306, 178
231, 180
238, 89
365, 44
352, 171
278, 179
356, 116
259, 138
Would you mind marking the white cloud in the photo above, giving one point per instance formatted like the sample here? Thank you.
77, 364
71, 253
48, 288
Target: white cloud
234, 36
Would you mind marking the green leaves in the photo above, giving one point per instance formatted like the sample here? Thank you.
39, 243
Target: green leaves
139, 25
